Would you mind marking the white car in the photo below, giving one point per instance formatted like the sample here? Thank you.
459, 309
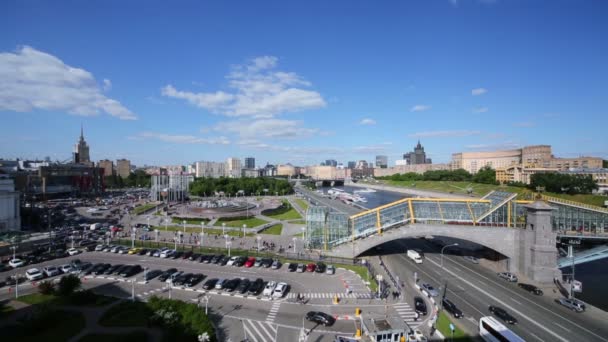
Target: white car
51, 271
330, 269
65, 268
14, 263
115, 249
280, 290
508, 276
33, 274
99, 248
173, 277
167, 253
158, 252
123, 250
269, 288
232, 260
471, 258
73, 251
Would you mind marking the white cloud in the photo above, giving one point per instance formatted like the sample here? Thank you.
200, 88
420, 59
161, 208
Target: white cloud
420, 108
107, 84
478, 91
478, 110
31, 79
181, 139
444, 134
525, 124
267, 128
258, 91
370, 149
367, 122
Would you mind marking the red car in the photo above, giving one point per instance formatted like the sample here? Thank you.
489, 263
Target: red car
250, 261
311, 267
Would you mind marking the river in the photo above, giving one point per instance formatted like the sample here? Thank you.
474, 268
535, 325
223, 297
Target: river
593, 275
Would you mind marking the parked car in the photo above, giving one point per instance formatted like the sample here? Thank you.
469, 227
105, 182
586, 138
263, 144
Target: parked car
195, 279
502, 314
311, 267
130, 271
330, 269
258, 262
51, 271
256, 287
243, 286
223, 261
187, 255
420, 306
182, 279
204, 258
143, 251
99, 248
280, 290
240, 261
210, 283
166, 253
100, 269
33, 274
219, 285
508, 276
152, 252
430, 290
149, 275
166, 274
266, 262
14, 263
232, 284
451, 308
292, 267
471, 258
66, 268
177, 255
320, 267
276, 264
115, 249
172, 277
269, 288
86, 268
134, 250
232, 260
216, 259
572, 304
119, 270
320, 318
531, 288
250, 261
195, 257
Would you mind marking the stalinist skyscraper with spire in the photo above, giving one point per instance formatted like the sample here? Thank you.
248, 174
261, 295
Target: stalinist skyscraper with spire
81, 151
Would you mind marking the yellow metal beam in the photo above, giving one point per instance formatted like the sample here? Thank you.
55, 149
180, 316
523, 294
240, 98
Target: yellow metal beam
378, 223
523, 202
509, 214
419, 200
412, 217
471, 212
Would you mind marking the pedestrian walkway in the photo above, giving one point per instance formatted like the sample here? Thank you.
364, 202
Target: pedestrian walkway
151, 292
257, 331
332, 295
273, 312
407, 313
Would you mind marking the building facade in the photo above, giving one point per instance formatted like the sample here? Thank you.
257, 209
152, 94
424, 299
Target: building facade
81, 151
251, 173
250, 163
286, 170
172, 187
599, 175
420, 169
382, 162
565, 164
331, 162
210, 169
123, 168
351, 165
475, 161
10, 216
233, 167
418, 156
519, 173
107, 166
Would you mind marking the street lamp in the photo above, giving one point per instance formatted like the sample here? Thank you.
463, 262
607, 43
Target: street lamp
223, 228
166, 222
14, 248
148, 218
294, 245
444, 247
206, 299
202, 232
258, 238
184, 222
244, 227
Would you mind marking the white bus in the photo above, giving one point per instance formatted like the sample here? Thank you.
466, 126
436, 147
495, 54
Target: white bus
491, 330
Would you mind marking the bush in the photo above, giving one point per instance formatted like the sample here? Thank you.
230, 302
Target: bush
184, 320
68, 284
46, 287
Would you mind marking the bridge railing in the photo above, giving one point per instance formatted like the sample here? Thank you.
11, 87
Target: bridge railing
574, 204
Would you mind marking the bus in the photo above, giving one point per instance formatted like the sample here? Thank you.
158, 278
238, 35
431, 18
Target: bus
491, 330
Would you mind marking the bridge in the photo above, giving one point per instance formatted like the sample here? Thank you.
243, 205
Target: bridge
525, 232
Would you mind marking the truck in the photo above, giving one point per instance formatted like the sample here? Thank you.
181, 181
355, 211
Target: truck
95, 226
415, 256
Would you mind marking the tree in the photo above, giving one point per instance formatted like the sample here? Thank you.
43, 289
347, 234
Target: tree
46, 287
563, 183
605, 164
486, 175
68, 284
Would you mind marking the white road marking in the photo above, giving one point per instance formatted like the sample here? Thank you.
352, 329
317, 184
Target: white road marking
561, 326
516, 301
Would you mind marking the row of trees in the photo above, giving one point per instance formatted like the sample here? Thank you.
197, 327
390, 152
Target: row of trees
139, 178
250, 186
486, 175
563, 183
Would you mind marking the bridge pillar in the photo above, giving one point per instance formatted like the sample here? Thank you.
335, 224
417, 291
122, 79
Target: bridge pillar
538, 253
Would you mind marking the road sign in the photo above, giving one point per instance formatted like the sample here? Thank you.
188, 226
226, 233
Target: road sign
574, 242
452, 327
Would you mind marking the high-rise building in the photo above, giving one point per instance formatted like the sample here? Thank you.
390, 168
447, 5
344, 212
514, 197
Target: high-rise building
382, 162
362, 164
123, 168
10, 218
107, 166
81, 151
250, 163
209, 169
331, 162
233, 167
418, 156
351, 165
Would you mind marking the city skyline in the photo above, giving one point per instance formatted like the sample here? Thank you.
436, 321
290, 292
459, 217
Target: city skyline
294, 96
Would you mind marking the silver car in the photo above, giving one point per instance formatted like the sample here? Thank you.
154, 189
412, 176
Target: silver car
508, 276
472, 259
572, 304
430, 290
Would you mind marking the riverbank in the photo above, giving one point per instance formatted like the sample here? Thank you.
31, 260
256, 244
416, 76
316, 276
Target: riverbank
409, 191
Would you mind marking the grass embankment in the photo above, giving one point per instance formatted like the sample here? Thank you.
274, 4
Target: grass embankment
480, 190
136, 336
277, 229
298, 222
46, 325
181, 220
284, 212
83, 298
443, 325
302, 203
143, 208
209, 231
126, 314
238, 222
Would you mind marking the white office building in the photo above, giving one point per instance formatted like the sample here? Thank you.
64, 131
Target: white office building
233, 167
10, 218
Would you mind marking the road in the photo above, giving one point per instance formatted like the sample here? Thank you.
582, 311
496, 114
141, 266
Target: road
335, 204
473, 288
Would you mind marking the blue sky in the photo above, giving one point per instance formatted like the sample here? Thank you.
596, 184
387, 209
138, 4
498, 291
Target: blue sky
181, 81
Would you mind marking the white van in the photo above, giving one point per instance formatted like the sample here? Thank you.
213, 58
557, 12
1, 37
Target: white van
166, 253
415, 256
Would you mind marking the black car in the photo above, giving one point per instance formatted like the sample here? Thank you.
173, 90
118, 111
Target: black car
266, 262
204, 258
194, 257
119, 270
86, 268
420, 306
186, 255
131, 271
210, 284
240, 261
256, 287
451, 308
152, 274
216, 258
182, 279
531, 288
224, 260
292, 267
243, 286
502, 314
320, 318
321, 267
143, 252
166, 274
76, 263
100, 269
195, 279
112, 268
177, 255
231, 284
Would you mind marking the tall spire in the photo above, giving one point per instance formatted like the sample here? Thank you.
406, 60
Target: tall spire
81, 132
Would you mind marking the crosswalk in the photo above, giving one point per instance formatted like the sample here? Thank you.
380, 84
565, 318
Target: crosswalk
330, 295
257, 331
407, 313
273, 312
151, 292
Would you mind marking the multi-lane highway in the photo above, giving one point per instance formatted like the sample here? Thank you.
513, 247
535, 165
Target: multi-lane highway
473, 288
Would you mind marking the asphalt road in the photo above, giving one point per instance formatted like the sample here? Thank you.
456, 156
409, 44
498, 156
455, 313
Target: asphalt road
473, 288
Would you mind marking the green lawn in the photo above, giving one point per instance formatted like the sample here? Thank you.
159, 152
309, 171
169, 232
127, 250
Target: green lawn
302, 203
274, 230
240, 221
36, 298
298, 222
126, 314
54, 326
482, 189
443, 325
210, 231
189, 220
81, 298
5, 310
285, 212
136, 336
143, 208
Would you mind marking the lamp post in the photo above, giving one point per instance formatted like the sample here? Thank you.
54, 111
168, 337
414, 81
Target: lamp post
132, 239
202, 232
166, 223
258, 238
156, 235
14, 248
72, 238
304, 240
444, 247
148, 218
295, 250
223, 228
175, 238
244, 227
184, 222
227, 243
